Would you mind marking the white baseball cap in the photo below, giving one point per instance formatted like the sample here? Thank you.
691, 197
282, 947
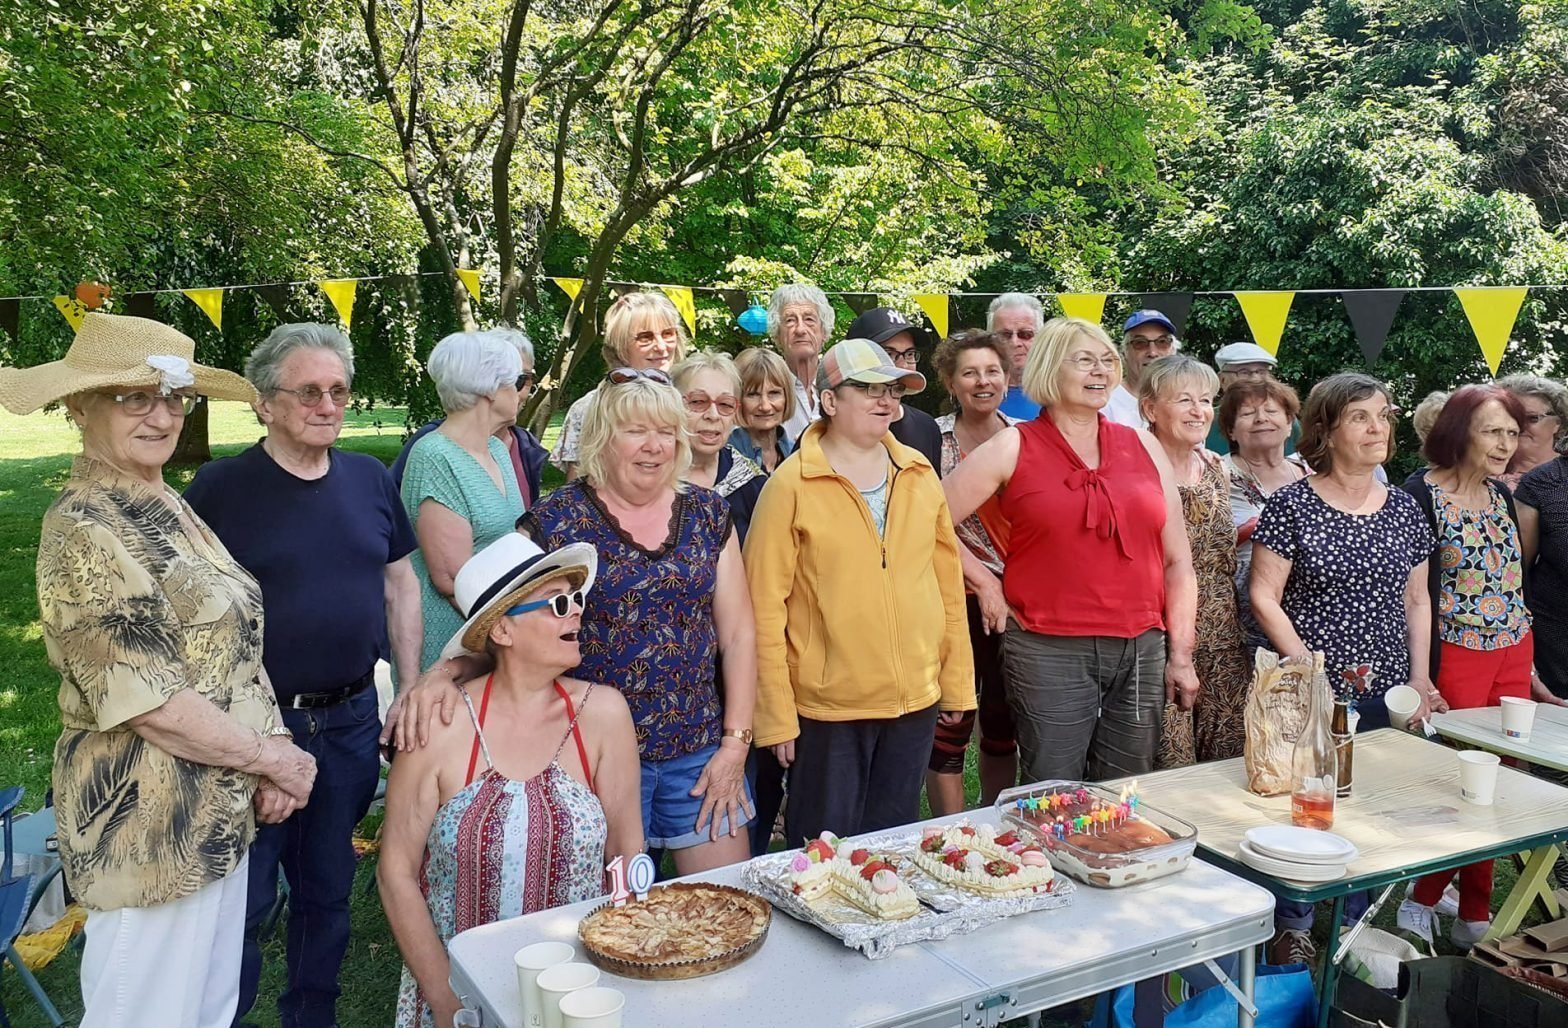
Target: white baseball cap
1243, 353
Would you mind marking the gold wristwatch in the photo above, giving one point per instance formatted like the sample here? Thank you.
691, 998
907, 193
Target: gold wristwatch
743, 734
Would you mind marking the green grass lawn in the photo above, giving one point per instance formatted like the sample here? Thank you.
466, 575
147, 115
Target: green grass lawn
35, 456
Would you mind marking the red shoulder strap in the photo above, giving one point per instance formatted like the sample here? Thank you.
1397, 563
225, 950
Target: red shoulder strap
577, 736
484, 705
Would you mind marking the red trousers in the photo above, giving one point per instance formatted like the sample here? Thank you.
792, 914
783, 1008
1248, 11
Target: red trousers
1476, 678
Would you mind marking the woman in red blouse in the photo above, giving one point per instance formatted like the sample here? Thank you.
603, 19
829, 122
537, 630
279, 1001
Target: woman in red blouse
1099, 584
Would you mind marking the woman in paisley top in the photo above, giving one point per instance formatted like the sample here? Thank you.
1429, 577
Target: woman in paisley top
1176, 398
974, 367
1256, 417
671, 602
172, 747
531, 827
1481, 641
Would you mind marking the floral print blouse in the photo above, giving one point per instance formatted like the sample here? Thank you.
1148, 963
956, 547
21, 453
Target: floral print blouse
1481, 589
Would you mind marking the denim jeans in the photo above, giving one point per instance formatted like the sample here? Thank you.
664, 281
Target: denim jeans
315, 849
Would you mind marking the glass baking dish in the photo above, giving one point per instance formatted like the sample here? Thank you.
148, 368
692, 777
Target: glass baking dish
1091, 866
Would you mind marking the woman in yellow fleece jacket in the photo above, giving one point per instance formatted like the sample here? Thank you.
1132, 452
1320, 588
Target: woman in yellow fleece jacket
859, 601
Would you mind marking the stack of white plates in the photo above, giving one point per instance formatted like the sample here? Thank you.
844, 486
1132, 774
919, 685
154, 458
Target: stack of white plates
1300, 854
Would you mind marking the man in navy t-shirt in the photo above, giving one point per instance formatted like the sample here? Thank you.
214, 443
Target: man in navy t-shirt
325, 534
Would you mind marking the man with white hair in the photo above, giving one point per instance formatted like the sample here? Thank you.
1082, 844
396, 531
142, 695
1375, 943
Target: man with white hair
324, 533
528, 455
1017, 318
800, 322
1146, 337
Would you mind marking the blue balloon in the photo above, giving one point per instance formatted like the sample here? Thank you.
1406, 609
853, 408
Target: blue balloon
754, 319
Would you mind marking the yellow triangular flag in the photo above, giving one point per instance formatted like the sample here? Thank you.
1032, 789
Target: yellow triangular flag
935, 306
1266, 313
74, 310
470, 278
341, 292
211, 303
681, 297
1088, 306
570, 286
1492, 313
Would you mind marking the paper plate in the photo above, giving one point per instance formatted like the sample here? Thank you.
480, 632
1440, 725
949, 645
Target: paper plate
1287, 869
1301, 845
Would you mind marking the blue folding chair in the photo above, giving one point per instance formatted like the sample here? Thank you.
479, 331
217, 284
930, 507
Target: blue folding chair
19, 894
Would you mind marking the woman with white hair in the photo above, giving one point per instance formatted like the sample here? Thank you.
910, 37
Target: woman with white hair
670, 605
641, 330
459, 488
709, 384
800, 322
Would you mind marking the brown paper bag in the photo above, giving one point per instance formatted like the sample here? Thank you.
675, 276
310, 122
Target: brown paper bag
1276, 713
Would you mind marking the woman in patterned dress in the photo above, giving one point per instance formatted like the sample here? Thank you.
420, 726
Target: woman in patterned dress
670, 605
1339, 565
1482, 645
459, 488
1176, 398
171, 746
518, 806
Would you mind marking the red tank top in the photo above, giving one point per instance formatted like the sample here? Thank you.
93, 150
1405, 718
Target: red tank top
1085, 556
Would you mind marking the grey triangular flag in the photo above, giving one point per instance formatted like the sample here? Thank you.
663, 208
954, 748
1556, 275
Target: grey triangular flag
142, 305
10, 316
1175, 306
737, 300
1372, 315
277, 297
860, 302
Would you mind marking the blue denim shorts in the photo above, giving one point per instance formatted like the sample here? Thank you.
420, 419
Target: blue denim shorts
669, 810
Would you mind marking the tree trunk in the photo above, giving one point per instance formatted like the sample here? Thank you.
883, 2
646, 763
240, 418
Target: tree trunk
193, 446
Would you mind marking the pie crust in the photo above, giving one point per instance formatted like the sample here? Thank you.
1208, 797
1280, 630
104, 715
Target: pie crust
681, 930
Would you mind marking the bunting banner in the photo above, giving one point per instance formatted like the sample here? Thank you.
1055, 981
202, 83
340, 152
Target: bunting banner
935, 306
570, 286
211, 303
860, 302
11, 317
1372, 315
341, 292
1088, 306
681, 297
1266, 313
737, 300
1175, 306
142, 305
470, 279
73, 310
276, 297
1492, 312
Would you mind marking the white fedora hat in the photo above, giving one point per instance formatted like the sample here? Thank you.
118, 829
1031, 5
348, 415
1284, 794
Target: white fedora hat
494, 578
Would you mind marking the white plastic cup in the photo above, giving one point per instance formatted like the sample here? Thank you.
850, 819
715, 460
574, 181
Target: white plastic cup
1401, 701
1518, 717
530, 961
596, 1007
555, 983
1478, 776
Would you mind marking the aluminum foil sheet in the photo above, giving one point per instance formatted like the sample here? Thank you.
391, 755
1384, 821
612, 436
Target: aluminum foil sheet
944, 911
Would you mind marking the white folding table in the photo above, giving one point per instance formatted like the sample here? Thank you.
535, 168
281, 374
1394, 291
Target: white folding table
1104, 939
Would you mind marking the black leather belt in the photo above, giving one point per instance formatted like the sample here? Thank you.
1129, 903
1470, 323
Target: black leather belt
331, 698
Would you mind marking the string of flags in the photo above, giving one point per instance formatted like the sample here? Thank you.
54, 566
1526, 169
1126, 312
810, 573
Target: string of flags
1490, 310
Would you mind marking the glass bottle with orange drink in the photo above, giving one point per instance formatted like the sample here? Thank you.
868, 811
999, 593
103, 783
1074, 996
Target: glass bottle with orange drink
1314, 764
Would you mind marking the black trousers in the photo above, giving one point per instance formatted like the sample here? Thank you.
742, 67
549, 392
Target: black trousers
851, 777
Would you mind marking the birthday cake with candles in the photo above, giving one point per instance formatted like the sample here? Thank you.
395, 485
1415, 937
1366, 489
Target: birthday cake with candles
1097, 836
867, 880
979, 860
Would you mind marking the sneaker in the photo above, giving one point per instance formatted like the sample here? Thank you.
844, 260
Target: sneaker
1291, 946
1465, 934
1448, 906
1420, 921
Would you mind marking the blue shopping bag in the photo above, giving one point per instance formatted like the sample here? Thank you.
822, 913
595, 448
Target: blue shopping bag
1284, 996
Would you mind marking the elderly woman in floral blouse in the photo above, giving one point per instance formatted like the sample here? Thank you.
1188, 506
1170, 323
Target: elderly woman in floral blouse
172, 747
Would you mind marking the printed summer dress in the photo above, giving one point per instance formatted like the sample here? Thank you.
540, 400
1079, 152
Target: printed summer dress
503, 848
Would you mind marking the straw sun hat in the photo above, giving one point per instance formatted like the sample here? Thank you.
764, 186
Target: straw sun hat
111, 350
498, 575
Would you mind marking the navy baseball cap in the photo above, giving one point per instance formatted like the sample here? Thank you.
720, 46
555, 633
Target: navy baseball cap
1145, 317
879, 324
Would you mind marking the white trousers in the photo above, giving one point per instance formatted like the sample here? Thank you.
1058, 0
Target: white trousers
175, 965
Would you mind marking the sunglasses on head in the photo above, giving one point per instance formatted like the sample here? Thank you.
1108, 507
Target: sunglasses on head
620, 376
560, 604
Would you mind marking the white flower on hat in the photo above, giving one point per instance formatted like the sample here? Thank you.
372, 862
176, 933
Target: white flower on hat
174, 372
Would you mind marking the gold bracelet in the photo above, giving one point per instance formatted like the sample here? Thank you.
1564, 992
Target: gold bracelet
261, 744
